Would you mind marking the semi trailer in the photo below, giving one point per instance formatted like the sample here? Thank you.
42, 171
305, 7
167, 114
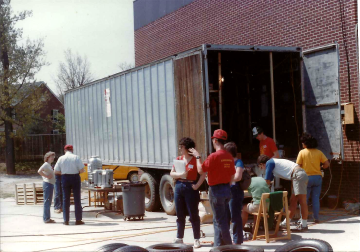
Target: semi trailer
136, 117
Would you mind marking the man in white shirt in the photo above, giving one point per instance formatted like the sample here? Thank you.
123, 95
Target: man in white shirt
69, 166
288, 170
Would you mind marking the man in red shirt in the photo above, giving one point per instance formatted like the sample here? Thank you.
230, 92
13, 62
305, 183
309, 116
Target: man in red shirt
220, 168
267, 145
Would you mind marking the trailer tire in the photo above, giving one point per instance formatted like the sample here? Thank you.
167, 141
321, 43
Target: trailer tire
167, 190
306, 245
132, 177
152, 199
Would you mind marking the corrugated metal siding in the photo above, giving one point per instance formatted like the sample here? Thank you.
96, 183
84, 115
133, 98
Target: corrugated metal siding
141, 130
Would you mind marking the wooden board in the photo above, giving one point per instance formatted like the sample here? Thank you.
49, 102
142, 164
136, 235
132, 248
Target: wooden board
190, 107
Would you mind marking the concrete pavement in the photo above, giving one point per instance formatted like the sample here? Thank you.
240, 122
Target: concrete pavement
22, 229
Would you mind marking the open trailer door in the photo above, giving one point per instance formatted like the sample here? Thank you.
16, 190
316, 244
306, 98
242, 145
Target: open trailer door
321, 96
190, 104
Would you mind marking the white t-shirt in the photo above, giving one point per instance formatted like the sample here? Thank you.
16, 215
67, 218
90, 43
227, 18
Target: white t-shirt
69, 164
47, 169
281, 168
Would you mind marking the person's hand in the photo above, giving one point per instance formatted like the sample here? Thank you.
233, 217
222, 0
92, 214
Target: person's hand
194, 152
195, 187
50, 176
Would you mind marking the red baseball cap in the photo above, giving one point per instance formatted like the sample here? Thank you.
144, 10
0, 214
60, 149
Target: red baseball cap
68, 147
220, 134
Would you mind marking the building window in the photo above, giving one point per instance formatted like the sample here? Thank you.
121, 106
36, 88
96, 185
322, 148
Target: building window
55, 132
54, 114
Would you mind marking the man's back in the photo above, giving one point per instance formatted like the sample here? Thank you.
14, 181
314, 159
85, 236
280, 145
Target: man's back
69, 164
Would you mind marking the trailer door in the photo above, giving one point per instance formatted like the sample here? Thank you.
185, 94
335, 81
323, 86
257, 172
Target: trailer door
321, 96
190, 105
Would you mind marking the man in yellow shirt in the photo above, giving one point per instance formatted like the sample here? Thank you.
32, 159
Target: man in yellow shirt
310, 160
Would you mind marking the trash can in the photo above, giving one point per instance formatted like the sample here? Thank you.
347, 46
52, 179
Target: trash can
133, 200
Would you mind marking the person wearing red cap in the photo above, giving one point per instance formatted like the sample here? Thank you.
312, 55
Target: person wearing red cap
221, 169
69, 166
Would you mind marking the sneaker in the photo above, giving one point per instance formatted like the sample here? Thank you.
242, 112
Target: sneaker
282, 224
79, 222
197, 243
317, 221
66, 223
178, 240
247, 236
299, 222
57, 210
300, 228
49, 221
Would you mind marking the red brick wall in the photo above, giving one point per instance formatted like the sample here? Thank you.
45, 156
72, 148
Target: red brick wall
306, 24
52, 103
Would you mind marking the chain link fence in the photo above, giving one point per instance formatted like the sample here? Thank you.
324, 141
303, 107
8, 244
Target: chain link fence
34, 147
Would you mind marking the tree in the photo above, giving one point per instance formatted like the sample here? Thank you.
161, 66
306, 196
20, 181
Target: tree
19, 94
74, 72
125, 66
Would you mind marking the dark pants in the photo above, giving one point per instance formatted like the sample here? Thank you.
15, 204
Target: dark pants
220, 196
58, 193
71, 182
48, 190
235, 204
188, 199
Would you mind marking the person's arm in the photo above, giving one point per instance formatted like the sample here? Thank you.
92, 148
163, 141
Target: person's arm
178, 175
276, 154
80, 165
42, 173
57, 167
326, 164
299, 159
268, 181
195, 153
324, 161
238, 174
274, 149
239, 168
200, 181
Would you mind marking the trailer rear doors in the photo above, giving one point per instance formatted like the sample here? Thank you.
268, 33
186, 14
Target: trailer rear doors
322, 98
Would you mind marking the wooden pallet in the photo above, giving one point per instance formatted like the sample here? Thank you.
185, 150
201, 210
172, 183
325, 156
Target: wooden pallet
29, 194
33, 194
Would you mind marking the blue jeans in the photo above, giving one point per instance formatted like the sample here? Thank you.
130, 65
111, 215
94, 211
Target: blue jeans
220, 196
71, 182
48, 190
235, 205
188, 199
313, 191
58, 193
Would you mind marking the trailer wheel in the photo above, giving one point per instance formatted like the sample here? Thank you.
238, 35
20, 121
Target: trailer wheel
133, 177
152, 199
167, 191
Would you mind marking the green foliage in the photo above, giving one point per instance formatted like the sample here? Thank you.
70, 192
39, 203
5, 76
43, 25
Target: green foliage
20, 95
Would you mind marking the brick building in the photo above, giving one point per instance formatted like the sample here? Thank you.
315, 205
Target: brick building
164, 28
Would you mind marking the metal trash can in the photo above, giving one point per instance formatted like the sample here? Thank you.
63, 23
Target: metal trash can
133, 200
